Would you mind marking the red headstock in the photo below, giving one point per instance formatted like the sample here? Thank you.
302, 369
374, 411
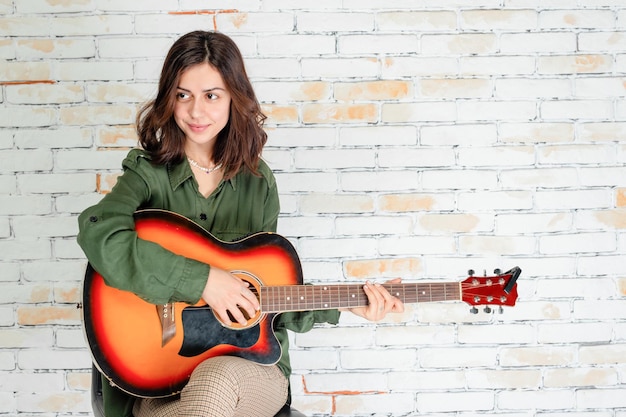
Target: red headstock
500, 289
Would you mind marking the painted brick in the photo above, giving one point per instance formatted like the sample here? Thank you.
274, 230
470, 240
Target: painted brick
455, 402
422, 157
552, 42
70, 137
120, 93
316, 68
418, 112
609, 41
504, 379
317, 203
601, 354
25, 25
63, 401
579, 243
323, 160
308, 226
56, 183
337, 248
389, 268
258, 22
520, 20
92, 25
501, 110
459, 88
574, 64
136, 6
373, 44
459, 44
453, 223
416, 202
576, 109
543, 88
293, 91
580, 377
94, 71
38, 226
125, 47
545, 355
409, 66
427, 21
574, 333
272, 68
47, 48
152, 23
387, 180
379, 403
536, 132
313, 21
20, 117
495, 200
489, 65
373, 90
600, 132
289, 45
26, 161
588, 398
373, 225
581, 19
533, 223
541, 399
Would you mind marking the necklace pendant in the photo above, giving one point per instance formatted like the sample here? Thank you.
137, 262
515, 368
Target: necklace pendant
203, 169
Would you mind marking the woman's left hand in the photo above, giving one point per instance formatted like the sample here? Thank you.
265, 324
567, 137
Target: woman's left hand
380, 300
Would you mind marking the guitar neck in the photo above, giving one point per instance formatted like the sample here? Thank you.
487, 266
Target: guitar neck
278, 299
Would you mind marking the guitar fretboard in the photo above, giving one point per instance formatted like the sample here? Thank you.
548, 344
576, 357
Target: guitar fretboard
276, 299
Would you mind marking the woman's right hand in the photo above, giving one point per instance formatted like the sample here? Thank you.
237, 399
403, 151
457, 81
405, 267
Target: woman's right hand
226, 293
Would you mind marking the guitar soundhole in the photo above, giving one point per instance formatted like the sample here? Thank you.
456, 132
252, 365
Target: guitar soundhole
255, 287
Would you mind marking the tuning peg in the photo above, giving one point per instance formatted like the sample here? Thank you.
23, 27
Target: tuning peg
487, 309
474, 310
470, 272
500, 310
497, 271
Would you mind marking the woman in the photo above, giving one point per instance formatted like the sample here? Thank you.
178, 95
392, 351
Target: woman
201, 140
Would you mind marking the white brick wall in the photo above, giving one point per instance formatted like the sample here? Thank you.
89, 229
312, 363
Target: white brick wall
414, 138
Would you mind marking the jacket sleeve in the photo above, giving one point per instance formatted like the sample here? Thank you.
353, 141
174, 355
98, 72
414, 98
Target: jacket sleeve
108, 238
303, 321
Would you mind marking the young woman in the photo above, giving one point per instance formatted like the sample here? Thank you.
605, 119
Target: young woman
201, 140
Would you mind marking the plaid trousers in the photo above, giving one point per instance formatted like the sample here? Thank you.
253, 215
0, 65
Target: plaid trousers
224, 386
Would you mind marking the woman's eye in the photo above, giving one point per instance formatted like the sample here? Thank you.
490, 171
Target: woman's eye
212, 96
182, 96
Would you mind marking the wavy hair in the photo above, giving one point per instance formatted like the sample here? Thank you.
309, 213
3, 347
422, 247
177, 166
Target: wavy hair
241, 141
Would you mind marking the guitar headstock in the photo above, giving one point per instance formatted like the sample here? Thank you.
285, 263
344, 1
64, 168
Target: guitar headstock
500, 289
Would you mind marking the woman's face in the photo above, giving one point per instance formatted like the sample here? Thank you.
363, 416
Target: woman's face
202, 105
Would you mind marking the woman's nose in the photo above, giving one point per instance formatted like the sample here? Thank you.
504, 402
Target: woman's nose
196, 108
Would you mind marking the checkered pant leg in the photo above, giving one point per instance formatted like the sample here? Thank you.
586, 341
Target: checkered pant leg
225, 386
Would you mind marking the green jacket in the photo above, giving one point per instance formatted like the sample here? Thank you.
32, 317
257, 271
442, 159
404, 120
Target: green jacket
240, 206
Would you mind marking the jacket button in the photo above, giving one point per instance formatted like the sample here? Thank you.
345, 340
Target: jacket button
202, 216
93, 219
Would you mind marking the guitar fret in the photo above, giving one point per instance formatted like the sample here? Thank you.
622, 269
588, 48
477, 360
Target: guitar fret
323, 297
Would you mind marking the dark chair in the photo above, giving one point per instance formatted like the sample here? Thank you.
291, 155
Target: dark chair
98, 407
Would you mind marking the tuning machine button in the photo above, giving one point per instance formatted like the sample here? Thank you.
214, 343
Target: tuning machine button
474, 310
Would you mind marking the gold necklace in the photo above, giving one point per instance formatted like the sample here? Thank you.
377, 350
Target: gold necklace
203, 169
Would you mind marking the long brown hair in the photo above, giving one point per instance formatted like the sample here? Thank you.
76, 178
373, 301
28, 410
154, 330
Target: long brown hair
240, 143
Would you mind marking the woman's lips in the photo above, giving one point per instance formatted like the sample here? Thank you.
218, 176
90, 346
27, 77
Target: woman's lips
198, 128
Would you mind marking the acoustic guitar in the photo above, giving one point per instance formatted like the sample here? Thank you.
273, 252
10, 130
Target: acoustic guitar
150, 351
